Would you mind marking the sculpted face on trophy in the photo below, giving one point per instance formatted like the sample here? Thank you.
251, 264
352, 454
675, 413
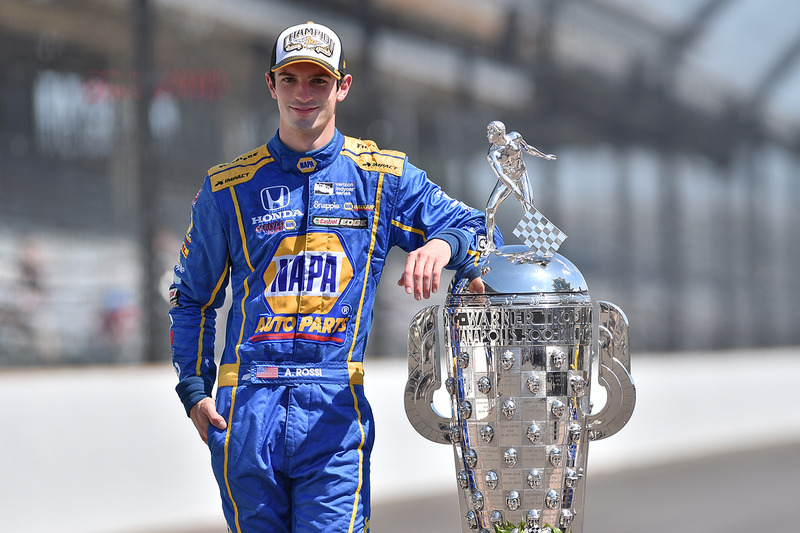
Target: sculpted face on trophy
519, 364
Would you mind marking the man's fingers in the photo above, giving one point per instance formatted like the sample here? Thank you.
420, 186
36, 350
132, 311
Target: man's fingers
414, 275
476, 286
434, 276
422, 275
213, 417
204, 413
218, 421
422, 279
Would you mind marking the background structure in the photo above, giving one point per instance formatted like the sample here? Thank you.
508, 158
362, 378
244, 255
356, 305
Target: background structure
677, 129
675, 126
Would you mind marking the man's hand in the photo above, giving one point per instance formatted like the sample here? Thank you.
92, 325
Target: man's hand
424, 268
476, 286
204, 413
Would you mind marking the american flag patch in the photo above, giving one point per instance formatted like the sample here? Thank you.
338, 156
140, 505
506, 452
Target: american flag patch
266, 372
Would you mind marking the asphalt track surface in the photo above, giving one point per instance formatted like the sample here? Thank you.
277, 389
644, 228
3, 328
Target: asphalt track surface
713, 446
741, 492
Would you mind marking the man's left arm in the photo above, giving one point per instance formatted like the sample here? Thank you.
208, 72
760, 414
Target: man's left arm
437, 231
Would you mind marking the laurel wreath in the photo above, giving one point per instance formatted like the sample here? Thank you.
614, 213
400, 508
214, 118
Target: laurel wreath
522, 528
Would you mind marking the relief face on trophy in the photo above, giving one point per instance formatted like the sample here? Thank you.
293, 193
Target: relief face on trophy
463, 479
534, 478
484, 385
487, 433
509, 409
534, 434
519, 363
512, 500
510, 457
508, 360
534, 383
496, 519
492, 479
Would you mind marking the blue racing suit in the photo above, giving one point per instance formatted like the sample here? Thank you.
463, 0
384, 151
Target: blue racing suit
301, 238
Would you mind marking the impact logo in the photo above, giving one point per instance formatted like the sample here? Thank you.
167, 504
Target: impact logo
303, 283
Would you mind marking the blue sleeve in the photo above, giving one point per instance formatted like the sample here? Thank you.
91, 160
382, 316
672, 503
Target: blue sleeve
424, 211
197, 291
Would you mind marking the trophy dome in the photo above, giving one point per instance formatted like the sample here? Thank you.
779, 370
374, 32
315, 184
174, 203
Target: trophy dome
514, 269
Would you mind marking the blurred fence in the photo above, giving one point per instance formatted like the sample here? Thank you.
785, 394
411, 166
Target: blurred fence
696, 244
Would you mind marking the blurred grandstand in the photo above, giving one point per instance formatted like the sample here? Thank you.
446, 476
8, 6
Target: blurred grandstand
675, 124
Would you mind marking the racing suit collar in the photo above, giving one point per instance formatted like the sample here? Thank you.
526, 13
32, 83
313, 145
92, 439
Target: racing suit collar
305, 162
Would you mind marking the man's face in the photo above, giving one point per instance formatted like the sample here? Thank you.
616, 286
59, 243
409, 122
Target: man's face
307, 95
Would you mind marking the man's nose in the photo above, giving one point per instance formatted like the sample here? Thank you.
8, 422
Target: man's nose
305, 92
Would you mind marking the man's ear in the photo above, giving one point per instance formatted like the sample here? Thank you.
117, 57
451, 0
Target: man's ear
344, 87
271, 84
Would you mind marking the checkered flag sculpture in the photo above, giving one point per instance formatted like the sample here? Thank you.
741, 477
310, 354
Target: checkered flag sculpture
538, 233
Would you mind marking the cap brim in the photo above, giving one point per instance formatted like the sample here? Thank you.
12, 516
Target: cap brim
303, 59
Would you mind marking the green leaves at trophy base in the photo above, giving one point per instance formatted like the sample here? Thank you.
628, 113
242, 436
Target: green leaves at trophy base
522, 528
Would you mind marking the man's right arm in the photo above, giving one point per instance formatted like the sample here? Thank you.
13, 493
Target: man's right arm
201, 275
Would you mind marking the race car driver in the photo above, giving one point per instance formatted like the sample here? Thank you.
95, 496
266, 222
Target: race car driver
300, 229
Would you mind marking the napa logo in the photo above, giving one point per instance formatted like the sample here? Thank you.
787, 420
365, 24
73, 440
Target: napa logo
307, 274
306, 165
305, 279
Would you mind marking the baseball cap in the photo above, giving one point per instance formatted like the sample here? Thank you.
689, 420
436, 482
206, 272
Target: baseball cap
312, 43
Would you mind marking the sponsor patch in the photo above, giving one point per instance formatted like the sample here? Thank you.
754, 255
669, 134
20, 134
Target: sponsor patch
326, 206
174, 297
306, 276
306, 165
323, 188
274, 198
349, 206
307, 327
340, 222
239, 170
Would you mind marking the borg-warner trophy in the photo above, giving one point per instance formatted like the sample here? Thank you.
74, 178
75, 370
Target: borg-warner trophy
519, 370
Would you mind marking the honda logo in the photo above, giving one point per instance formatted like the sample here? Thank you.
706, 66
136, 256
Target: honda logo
273, 198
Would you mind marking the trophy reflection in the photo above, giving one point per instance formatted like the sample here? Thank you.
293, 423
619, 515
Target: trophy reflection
520, 370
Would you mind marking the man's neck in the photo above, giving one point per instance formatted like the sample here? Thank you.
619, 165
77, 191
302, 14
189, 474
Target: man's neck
305, 143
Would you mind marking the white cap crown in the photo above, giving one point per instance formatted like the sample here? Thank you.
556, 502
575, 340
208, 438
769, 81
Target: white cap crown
312, 43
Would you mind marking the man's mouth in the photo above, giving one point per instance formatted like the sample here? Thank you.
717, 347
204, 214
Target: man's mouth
304, 109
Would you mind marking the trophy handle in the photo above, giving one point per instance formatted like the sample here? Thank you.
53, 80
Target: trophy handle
613, 374
424, 377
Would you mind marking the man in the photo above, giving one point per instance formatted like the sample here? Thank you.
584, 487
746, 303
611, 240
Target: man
300, 229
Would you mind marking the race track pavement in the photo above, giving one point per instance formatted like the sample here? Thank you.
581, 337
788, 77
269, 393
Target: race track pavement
712, 446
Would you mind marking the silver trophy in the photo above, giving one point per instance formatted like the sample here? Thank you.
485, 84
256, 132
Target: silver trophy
520, 370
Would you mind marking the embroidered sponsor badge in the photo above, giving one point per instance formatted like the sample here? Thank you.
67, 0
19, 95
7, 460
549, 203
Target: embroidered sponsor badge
340, 222
306, 165
306, 277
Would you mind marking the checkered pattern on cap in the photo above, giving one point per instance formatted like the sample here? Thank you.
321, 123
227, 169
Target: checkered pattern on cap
539, 234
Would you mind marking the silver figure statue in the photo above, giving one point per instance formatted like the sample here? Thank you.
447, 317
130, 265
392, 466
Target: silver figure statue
506, 159
519, 374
